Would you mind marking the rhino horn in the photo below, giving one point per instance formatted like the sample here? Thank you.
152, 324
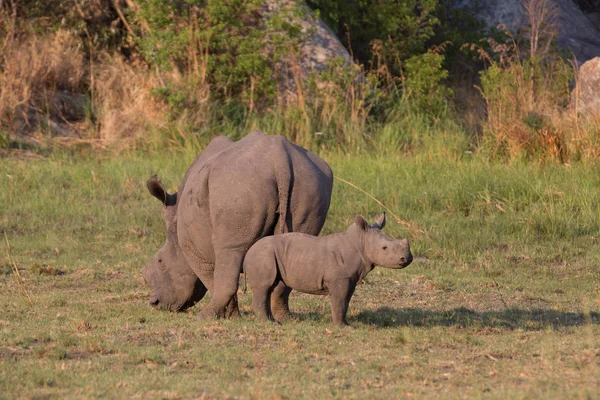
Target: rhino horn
380, 224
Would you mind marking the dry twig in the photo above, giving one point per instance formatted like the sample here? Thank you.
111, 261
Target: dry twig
412, 227
16, 269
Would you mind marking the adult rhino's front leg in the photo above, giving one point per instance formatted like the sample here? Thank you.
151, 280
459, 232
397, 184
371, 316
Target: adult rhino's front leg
206, 272
224, 285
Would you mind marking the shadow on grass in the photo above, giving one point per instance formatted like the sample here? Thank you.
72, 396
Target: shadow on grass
511, 318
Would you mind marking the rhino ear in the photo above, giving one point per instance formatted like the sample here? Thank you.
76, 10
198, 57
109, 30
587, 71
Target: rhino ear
361, 222
380, 224
156, 189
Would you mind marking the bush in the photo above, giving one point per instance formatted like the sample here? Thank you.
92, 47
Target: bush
424, 85
225, 44
402, 27
525, 97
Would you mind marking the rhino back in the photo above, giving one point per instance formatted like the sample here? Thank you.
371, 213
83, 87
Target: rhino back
235, 197
215, 146
310, 186
229, 200
308, 263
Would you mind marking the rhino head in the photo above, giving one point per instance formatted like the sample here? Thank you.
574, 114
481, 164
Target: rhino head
174, 286
380, 248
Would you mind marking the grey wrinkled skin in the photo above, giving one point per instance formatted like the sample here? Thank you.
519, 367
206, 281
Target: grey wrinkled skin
331, 264
232, 195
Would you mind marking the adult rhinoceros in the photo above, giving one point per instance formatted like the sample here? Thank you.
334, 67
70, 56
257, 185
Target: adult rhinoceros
232, 195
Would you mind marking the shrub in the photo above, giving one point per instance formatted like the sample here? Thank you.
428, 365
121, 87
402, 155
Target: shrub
226, 44
525, 95
424, 85
32, 72
402, 27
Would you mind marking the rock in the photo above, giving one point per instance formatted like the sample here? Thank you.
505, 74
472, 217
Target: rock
591, 9
319, 46
594, 18
68, 106
62, 129
575, 30
588, 87
65, 109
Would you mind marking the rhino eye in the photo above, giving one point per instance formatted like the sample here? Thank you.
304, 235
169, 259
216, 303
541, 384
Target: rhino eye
385, 247
160, 261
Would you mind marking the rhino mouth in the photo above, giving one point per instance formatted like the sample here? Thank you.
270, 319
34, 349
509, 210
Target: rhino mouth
154, 301
405, 261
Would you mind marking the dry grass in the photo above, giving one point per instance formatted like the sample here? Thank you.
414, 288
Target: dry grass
48, 82
15, 269
122, 101
529, 119
34, 71
531, 110
542, 18
413, 229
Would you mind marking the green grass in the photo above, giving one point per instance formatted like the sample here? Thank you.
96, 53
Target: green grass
502, 300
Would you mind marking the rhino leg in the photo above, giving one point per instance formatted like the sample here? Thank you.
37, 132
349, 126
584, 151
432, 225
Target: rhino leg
205, 272
228, 267
340, 292
279, 302
260, 303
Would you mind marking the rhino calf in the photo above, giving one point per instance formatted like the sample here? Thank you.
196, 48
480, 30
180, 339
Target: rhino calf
331, 264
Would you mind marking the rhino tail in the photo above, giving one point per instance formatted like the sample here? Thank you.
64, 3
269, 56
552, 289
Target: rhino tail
156, 189
284, 183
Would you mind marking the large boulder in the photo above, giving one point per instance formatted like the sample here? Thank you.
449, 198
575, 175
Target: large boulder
319, 44
591, 9
575, 30
317, 49
588, 87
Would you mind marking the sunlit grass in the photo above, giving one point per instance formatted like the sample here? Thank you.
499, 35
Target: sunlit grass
502, 300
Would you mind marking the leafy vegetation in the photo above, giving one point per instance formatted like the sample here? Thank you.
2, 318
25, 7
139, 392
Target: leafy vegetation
153, 74
400, 28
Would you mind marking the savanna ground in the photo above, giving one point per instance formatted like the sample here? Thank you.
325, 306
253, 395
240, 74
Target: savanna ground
502, 300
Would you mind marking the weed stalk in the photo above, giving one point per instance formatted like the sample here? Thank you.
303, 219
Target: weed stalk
16, 270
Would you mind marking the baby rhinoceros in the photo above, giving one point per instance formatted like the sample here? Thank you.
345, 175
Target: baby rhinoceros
331, 264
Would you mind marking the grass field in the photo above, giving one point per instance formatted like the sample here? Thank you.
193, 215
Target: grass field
502, 300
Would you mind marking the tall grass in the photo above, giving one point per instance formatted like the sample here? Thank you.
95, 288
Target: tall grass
532, 110
123, 107
129, 103
34, 72
133, 105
